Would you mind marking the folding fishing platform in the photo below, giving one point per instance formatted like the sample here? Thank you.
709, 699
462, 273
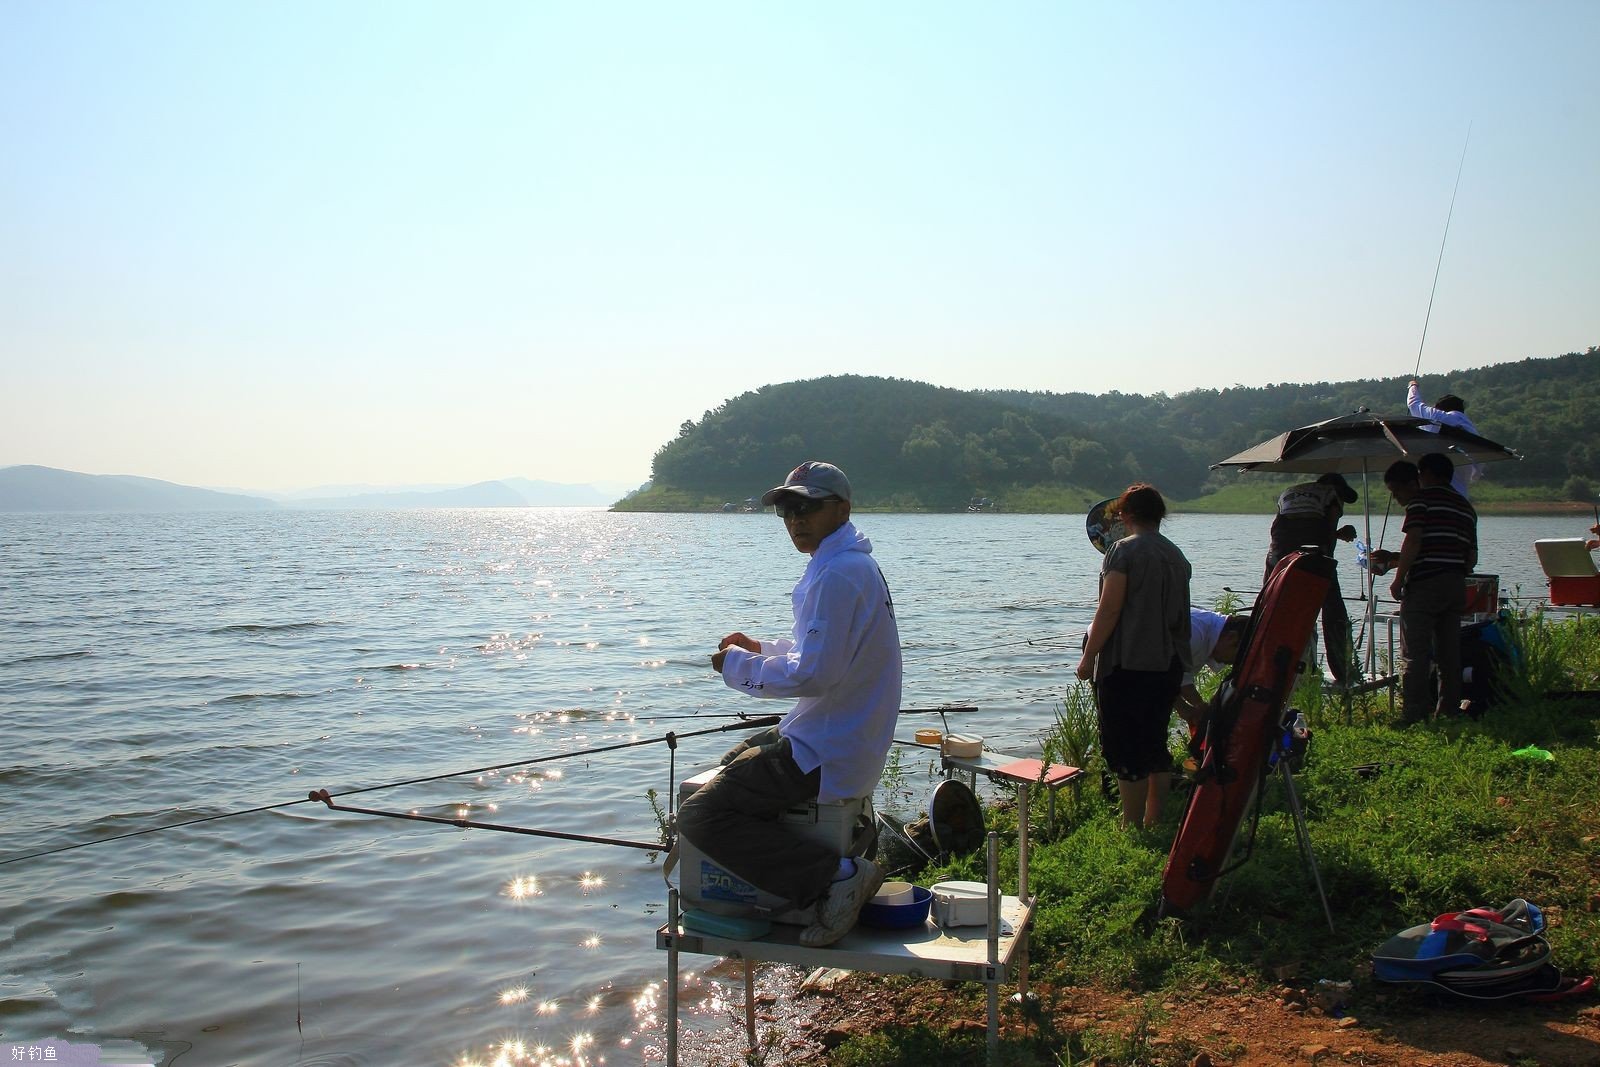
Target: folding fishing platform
988, 954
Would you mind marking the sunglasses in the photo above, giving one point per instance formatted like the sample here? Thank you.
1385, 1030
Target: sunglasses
798, 507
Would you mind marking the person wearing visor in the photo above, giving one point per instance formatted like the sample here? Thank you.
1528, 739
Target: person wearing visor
842, 668
1309, 514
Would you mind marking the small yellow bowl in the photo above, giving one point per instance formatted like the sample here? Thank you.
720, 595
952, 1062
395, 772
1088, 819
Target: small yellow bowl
929, 737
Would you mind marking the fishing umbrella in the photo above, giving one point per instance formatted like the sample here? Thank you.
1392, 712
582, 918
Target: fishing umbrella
1362, 443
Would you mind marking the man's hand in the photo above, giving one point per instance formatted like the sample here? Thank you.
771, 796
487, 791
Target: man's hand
1086, 668
1191, 707
733, 640
1397, 588
739, 640
1346, 532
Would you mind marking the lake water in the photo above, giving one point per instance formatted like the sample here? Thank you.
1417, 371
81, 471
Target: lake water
161, 668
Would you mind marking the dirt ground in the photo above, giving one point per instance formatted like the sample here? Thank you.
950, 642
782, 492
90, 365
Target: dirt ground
1286, 1024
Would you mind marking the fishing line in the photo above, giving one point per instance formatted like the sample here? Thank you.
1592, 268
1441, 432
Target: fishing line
669, 739
1442, 240
1036, 642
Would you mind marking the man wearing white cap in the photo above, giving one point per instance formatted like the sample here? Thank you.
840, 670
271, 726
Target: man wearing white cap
842, 668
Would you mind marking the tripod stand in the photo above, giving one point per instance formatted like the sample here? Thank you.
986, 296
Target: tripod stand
1279, 758
1288, 746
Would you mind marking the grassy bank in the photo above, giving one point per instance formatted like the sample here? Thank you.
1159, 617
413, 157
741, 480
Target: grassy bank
1250, 495
1406, 824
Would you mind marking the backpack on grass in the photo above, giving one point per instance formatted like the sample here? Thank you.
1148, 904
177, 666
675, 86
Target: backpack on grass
1481, 953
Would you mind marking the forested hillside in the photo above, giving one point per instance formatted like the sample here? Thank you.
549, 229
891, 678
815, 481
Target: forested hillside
911, 444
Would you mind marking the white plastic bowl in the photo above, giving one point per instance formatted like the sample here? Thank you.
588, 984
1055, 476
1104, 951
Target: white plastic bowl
893, 893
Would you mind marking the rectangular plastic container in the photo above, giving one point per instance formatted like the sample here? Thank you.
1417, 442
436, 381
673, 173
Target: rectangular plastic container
1483, 594
1573, 590
961, 904
705, 885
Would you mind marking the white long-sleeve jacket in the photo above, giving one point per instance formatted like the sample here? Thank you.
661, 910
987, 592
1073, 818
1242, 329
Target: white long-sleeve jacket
843, 663
1466, 473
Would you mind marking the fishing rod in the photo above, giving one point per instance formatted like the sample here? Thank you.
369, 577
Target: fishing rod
1459, 167
467, 824
670, 739
644, 716
1257, 592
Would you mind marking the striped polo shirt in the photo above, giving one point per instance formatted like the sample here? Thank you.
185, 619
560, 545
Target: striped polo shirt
1449, 528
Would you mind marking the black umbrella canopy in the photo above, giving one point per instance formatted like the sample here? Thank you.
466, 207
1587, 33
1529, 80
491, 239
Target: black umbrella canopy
1362, 442
1365, 444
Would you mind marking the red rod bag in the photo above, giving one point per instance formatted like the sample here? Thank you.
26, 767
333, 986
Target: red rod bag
1243, 722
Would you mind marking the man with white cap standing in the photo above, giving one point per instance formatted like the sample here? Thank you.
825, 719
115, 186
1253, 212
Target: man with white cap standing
842, 667
1309, 514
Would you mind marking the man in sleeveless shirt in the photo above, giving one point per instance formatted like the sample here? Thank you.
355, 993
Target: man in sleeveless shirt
1309, 514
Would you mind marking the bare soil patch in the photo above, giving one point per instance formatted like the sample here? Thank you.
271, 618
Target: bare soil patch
1283, 1025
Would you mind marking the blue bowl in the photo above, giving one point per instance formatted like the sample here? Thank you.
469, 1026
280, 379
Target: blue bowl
899, 916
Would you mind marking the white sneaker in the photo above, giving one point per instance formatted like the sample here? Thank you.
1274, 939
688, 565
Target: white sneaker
836, 912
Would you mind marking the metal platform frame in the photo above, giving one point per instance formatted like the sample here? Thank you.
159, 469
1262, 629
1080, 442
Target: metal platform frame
964, 954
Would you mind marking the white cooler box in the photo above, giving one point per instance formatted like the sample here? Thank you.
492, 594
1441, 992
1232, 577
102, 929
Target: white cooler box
708, 887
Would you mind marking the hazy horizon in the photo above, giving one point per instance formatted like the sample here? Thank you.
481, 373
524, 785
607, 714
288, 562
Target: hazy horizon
402, 243
312, 492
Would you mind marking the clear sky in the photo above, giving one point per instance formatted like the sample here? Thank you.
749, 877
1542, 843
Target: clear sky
275, 245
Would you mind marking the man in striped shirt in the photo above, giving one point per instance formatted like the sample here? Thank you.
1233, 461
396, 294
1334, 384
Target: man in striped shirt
1439, 550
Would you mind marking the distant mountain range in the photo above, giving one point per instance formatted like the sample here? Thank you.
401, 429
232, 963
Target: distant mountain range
35, 488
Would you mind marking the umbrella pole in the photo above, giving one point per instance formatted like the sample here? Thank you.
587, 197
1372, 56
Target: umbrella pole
1370, 613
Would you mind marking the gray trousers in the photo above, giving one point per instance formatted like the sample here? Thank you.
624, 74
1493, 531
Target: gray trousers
1335, 623
733, 819
1430, 638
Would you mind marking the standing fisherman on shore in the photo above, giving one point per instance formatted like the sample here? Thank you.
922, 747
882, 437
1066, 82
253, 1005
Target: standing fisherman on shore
1430, 581
1309, 514
1448, 410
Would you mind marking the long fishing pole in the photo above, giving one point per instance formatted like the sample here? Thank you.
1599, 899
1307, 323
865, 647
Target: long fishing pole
671, 738
1448, 215
323, 796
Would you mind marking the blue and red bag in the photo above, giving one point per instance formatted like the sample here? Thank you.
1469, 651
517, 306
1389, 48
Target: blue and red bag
1481, 953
